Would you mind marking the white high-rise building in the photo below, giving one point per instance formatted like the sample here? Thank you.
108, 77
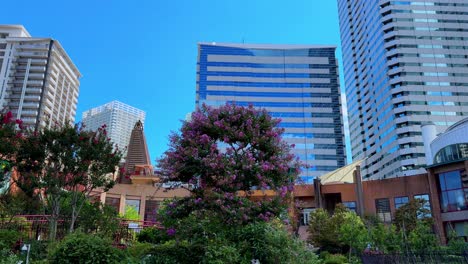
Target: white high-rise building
405, 65
119, 119
38, 81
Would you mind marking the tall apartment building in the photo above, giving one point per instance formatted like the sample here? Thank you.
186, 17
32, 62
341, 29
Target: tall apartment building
297, 83
119, 119
38, 81
405, 64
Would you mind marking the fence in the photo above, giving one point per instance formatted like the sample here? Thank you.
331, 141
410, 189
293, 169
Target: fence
416, 258
37, 227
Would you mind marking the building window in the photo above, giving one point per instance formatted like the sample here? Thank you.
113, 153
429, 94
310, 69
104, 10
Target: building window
133, 203
452, 153
382, 207
426, 206
459, 228
113, 202
305, 216
400, 201
350, 205
453, 191
151, 209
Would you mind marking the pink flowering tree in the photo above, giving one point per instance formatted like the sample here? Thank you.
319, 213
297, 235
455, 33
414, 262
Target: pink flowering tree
227, 153
11, 134
60, 160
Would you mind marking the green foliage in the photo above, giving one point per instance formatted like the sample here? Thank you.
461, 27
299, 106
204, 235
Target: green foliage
328, 258
8, 238
82, 248
139, 250
386, 238
7, 257
99, 218
12, 204
208, 240
324, 229
455, 243
353, 233
65, 158
151, 235
421, 238
409, 215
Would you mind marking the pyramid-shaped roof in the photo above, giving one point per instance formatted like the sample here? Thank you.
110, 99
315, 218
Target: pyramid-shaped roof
137, 153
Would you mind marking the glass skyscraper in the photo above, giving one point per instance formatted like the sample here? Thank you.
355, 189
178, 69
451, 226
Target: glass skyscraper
405, 65
297, 83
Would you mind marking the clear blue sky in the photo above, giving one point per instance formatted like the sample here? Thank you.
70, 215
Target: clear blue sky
144, 53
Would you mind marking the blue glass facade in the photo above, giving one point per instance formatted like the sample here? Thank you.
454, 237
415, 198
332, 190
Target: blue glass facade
298, 84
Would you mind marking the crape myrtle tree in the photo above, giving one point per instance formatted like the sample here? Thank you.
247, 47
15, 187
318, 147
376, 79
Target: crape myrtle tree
226, 153
66, 159
11, 133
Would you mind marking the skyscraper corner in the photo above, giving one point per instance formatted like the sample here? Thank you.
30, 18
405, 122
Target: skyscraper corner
39, 83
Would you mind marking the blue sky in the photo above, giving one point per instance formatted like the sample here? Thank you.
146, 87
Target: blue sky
144, 53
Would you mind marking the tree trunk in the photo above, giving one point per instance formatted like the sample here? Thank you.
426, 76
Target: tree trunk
55, 206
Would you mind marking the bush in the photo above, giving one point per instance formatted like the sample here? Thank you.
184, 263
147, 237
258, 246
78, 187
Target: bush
333, 259
82, 248
151, 235
7, 257
8, 238
139, 250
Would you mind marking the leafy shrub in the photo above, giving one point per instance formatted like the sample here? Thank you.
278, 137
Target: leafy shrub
139, 250
82, 248
7, 257
151, 235
334, 259
8, 238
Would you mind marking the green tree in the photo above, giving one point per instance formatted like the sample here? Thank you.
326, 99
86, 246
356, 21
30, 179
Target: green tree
353, 233
60, 160
409, 215
422, 238
225, 153
386, 238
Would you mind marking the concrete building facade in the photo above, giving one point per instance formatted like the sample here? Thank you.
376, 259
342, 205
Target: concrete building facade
39, 83
119, 119
405, 64
297, 83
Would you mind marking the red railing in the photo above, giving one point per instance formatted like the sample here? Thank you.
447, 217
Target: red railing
37, 227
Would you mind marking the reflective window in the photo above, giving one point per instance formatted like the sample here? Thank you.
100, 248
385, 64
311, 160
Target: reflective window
452, 153
400, 201
454, 191
426, 205
133, 203
350, 205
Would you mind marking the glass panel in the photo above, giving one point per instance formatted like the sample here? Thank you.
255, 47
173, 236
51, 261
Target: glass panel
427, 205
133, 203
350, 205
113, 202
382, 207
452, 180
460, 228
400, 201
444, 202
151, 209
442, 184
